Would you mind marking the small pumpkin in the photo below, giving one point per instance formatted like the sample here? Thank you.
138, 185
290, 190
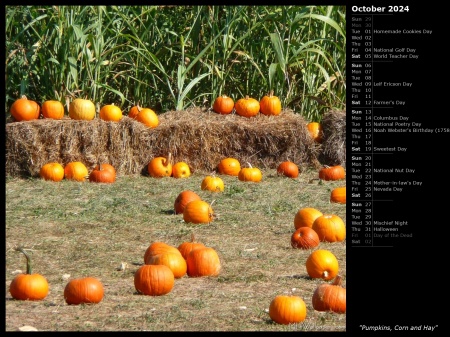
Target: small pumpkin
183, 199
28, 286
160, 167
134, 111
102, 174
24, 109
83, 290
229, 166
154, 280
76, 170
223, 105
330, 228
322, 264
203, 262
305, 217
330, 297
315, 130
287, 309
247, 107
111, 113
82, 109
174, 260
339, 195
250, 173
336, 172
198, 212
148, 117
288, 169
304, 238
270, 105
158, 248
52, 109
181, 170
186, 247
213, 184
52, 171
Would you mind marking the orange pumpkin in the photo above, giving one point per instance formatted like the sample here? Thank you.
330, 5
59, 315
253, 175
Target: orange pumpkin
175, 261
83, 290
330, 297
148, 117
134, 111
76, 170
270, 105
154, 280
329, 228
315, 130
304, 238
198, 212
24, 109
247, 107
111, 113
183, 199
186, 247
213, 184
229, 166
52, 171
181, 170
322, 264
223, 105
288, 169
285, 309
107, 167
102, 174
28, 286
339, 195
82, 109
305, 217
250, 173
336, 172
203, 262
52, 109
160, 167
158, 248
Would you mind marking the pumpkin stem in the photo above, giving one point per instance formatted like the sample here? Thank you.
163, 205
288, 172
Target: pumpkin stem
337, 280
249, 165
271, 93
169, 159
325, 274
67, 103
192, 237
246, 97
20, 249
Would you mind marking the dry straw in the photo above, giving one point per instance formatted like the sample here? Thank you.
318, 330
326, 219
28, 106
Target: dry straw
197, 136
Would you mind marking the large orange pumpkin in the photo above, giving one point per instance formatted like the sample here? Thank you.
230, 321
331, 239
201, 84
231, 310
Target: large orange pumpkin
24, 109
322, 264
330, 297
158, 248
339, 195
83, 290
329, 228
76, 170
198, 212
229, 166
82, 109
102, 174
203, 262
270, 105
160, 167
154, 280
285, 309
305, 217
247, 107
52, 109
148, 117
183, 199
174, 260
223, 105
335, 172
181, 170
250, 173
213, 184
305, 238
288, 169
52, 171
28, 286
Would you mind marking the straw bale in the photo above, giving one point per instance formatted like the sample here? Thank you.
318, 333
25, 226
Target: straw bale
333, 150
198, 136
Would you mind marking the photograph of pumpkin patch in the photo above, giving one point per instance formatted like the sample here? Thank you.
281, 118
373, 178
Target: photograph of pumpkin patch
164, 174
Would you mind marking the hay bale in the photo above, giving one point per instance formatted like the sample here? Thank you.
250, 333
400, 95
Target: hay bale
197, 136
333, 150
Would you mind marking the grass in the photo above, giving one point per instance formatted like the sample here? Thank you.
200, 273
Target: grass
88, 229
